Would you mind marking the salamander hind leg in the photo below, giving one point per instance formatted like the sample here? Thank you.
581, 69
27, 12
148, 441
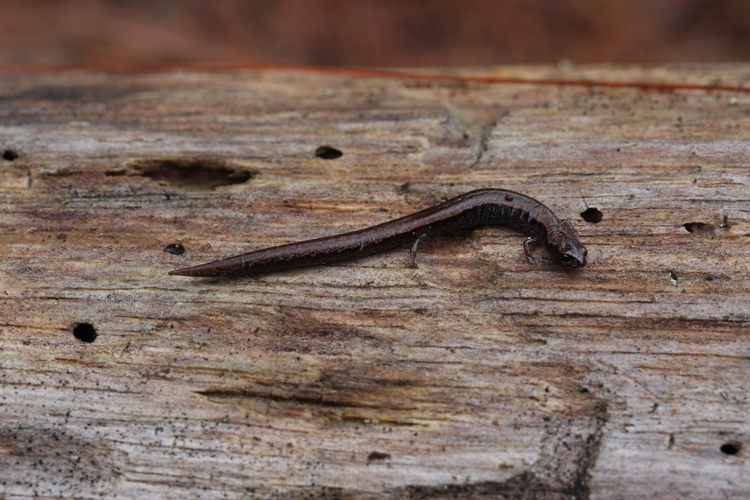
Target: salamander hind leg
413, 251
527, 250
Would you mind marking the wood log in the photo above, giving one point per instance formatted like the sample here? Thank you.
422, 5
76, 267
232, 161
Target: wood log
476, 375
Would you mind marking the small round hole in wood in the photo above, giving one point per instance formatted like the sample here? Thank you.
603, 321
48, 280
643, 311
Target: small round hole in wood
328, 153
10, 155
85, 332
592, 214
730, 448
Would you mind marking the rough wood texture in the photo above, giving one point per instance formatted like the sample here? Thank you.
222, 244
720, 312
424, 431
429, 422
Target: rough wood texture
474, 376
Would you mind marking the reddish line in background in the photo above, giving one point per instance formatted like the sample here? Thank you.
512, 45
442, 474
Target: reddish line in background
370, 73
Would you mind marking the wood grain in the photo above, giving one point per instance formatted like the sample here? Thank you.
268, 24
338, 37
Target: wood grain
474, 376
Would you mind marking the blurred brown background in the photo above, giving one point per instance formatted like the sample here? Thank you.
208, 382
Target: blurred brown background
372, 32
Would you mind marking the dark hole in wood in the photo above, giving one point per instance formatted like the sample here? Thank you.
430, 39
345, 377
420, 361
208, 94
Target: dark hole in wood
189, 173
377, 455
175, 249
701, 229
328, 153
693, 226
85, 332
730, 448
592, 214
10, 155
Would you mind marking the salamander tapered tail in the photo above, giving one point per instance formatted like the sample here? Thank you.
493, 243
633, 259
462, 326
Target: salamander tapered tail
483, 207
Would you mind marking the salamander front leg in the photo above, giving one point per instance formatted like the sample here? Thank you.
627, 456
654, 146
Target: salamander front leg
413, 251
527, 250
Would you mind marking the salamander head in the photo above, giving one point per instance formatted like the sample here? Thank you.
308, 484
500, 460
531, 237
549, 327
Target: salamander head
569, 246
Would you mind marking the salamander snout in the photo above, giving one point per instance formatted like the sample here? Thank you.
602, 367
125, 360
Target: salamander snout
569, 246
574, 257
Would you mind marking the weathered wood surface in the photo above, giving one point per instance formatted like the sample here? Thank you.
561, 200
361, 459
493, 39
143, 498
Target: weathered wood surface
474, 376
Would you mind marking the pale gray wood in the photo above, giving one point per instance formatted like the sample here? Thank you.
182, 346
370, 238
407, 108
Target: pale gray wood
474, 376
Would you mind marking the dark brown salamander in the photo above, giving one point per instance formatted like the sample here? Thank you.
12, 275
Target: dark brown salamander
483, 207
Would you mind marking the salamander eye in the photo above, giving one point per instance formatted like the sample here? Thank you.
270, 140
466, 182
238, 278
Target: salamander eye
566, 258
